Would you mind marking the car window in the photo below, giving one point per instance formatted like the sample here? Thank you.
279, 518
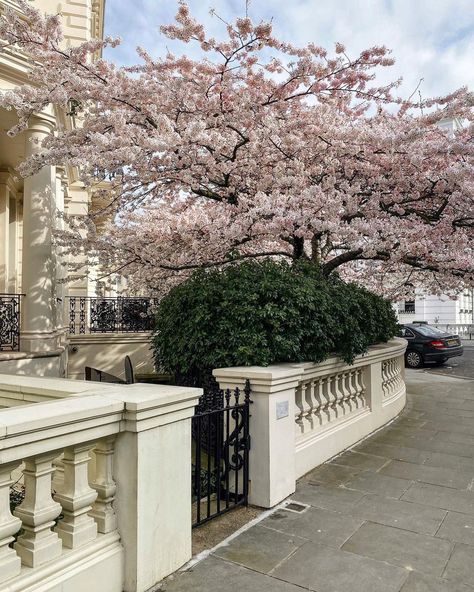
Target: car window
407, 333
428, 331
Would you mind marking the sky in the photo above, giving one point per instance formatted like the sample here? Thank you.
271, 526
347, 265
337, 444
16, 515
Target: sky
431, 40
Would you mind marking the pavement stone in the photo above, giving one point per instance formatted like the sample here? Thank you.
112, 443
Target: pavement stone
329, 497
394, 452
381, 484
447, 477
360, 460
417, 582
260, 549
216, 575
457, 527
441, 497
460, 568
399, 514
319, 568
315, 524
400, 547
331, 474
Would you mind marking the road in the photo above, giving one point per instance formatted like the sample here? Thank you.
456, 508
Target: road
462, 366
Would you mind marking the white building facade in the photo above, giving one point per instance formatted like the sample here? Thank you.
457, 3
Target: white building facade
37, 313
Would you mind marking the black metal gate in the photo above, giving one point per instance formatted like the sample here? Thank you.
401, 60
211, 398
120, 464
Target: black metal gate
221, 444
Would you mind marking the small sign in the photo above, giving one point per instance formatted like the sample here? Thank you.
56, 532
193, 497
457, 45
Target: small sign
282, 409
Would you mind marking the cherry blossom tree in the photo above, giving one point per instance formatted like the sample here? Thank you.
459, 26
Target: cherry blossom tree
257, 149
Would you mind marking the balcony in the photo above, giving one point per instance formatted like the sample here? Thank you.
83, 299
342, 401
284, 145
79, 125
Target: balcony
110, 315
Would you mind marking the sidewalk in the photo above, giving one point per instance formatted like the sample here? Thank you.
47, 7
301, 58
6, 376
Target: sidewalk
394, 514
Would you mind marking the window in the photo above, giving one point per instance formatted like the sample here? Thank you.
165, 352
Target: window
409, 306
428, 331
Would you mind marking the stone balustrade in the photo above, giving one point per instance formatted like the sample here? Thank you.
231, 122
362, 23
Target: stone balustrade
95, 515
304, 414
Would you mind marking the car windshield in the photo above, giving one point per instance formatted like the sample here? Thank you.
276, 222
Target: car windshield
429, 331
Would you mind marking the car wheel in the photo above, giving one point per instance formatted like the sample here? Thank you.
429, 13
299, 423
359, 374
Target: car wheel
413, 359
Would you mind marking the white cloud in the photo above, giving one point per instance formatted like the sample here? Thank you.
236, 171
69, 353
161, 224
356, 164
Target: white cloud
430, 39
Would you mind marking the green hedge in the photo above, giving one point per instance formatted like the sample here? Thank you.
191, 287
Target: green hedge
265, 313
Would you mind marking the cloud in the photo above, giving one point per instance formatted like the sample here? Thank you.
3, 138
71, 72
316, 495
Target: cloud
430, 39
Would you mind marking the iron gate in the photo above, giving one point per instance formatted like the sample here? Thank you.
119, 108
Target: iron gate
221, 444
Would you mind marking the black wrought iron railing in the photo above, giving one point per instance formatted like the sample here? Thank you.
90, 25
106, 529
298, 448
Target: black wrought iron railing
10, 310
220, 452
110, 315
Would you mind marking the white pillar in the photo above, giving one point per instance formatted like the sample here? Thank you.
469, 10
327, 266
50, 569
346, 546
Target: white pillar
4, 232
39, 270
152, 470
272, 428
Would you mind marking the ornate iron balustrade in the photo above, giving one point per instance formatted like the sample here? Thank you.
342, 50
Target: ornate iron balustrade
10, 305
110, 315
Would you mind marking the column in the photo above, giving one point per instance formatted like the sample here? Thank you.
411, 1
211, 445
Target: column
39, 271
61, 263
152, 470
272, 428
4, 231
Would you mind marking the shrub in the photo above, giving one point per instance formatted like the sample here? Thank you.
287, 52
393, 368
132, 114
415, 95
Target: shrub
265, 313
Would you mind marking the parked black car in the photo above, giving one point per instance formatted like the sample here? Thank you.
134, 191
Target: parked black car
429, 344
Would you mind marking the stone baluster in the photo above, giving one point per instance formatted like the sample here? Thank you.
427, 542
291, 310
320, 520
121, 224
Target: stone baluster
299, 409
353, 390
384, 379
339, 393
321, 401
103, 511
310, 406
38, 544
58, 475
361, 392
332, 395
346, 385
317, 403
10, 563
76, 498
325, 399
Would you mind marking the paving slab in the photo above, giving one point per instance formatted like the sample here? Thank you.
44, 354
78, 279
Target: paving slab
324, 496
260, 549
441, 497
401, 547
315, 524
381, 484
320, 568
418, 582
448, 477
441, 459
331, 474
359, 460
216, 575
460, 568
399, 514
395, 452
457, 527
